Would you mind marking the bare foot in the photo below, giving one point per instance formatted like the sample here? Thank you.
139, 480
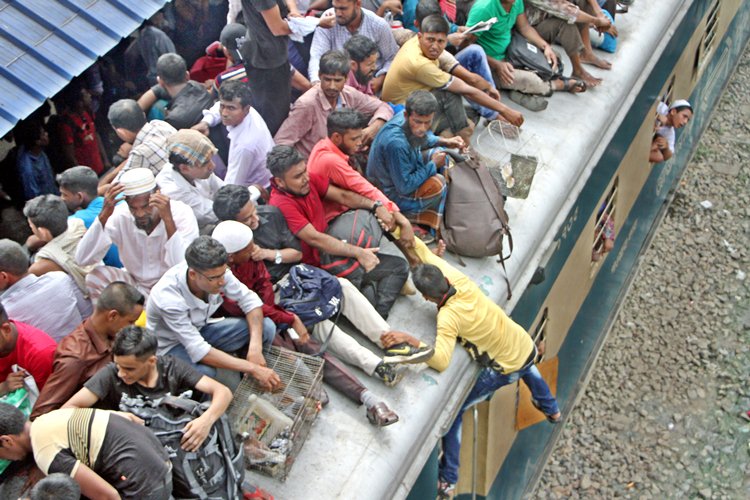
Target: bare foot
591, 81
440, 249
595, 61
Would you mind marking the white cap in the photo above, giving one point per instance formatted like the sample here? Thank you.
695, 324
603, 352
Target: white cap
234, 235
680, 103
137, 181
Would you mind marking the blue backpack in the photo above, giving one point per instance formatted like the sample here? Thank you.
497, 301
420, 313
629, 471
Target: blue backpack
311, 293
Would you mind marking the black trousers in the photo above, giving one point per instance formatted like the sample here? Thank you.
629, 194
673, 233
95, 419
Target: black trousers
271, 93
382, 285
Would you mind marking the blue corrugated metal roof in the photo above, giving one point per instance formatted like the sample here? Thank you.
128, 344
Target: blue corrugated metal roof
45, 43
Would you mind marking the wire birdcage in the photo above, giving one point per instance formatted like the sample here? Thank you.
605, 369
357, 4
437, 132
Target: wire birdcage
512, 156
274, 426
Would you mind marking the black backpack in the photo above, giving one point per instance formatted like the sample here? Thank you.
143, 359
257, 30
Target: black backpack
523, 54
213, 472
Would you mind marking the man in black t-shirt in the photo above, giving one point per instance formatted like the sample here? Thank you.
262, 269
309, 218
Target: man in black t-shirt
137, 371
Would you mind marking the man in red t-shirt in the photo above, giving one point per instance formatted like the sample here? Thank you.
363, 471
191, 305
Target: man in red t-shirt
299, 195
81, 143
23, 345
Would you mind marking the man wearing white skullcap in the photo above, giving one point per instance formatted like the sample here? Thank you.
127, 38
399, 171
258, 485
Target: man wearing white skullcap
237, 239
668, 119
150, 230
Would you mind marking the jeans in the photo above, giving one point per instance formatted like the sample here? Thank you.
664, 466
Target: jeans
487, 383
474, 59
229, 335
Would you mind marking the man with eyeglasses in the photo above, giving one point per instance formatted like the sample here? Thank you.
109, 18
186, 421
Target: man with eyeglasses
180, 313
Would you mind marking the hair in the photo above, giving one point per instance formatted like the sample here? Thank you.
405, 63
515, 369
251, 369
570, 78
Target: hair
229, 201
360, 47
205, 253
228, 39
80, 179
430, 281
345, 119
177, 159
3, 314
48, 211
171, 68
422, 103
282, 158
14, 259
426, 8
235, 89
28, 132
57, 486
434, 23
12, 420
334, 62
134, 341
121, 297
126, 114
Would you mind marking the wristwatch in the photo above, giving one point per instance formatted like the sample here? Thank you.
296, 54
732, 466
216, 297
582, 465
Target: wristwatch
277, 258
376, 205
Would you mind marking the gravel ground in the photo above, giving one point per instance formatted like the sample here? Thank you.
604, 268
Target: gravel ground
661, 417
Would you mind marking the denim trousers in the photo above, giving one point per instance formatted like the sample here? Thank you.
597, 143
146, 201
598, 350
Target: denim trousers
229, 335
487, 383
474, 59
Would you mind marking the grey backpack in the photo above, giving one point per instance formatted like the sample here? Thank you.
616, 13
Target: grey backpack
475, 222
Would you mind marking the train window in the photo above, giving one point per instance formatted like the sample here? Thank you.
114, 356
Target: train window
706, 47
604, 231
539, 335
668, 94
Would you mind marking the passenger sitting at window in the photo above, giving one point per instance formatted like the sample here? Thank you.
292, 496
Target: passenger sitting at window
182, 303
416, 67
306, 123
48, 218
108, 455
237, 238
405, 173
87, 349
300, 197
64, 306
668, 119
505, 351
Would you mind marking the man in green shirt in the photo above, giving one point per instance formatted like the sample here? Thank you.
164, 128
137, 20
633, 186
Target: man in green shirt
495, 41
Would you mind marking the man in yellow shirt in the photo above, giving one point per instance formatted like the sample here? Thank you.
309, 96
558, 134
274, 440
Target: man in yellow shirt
501, 346
416, 67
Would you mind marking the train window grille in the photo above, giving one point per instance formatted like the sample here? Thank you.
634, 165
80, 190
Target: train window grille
668, 94
539, 334
708, 43
605, 222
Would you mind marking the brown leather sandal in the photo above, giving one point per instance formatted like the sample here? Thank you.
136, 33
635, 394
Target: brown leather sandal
380, 415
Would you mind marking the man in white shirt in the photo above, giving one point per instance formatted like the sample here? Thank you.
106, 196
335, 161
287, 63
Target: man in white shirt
63, 304
150, 230
250, 140
189, 176
182, 303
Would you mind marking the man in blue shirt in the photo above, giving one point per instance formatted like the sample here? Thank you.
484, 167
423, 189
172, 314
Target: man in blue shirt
405, 167
78, 189
32, 163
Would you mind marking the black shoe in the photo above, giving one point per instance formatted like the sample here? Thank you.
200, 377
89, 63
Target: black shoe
388, 374
407, 353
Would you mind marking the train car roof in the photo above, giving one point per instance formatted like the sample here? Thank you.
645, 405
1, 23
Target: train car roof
345, 456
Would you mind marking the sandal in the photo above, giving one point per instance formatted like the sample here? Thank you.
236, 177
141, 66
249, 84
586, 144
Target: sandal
574, 88
380, 415
549, 417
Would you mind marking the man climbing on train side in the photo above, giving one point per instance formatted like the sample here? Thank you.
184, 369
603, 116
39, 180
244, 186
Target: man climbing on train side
502, 347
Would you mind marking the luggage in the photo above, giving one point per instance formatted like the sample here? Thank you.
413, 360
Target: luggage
475, 222
213, 472
523, 54
356, 227
311, 293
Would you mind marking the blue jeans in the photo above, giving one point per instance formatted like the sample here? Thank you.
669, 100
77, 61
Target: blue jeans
474, 59
487, 383
229, 335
